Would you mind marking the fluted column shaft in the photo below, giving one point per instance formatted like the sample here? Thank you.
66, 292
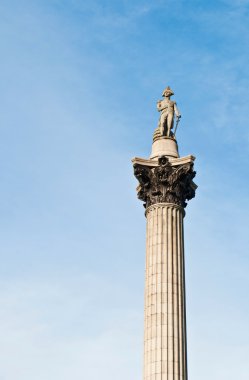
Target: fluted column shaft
165, 349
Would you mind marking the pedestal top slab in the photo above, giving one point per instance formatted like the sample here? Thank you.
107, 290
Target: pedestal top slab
154, 163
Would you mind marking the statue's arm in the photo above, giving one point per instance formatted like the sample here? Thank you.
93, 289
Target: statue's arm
177, 111
159, 106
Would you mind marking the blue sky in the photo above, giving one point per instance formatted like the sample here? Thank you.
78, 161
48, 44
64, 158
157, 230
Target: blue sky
79, 84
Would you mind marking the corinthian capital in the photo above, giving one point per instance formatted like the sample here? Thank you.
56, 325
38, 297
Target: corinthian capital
165, 182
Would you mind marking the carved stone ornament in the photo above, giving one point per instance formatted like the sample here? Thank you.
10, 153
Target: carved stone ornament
165, 183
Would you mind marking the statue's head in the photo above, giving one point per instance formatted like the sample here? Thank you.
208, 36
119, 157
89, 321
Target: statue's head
167, 92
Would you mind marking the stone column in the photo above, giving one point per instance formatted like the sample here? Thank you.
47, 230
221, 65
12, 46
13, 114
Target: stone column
165, 184
165, 354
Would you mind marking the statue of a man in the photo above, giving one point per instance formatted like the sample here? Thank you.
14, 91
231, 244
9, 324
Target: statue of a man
168, 109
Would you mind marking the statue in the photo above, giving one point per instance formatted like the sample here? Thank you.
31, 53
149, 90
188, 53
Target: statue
168, 110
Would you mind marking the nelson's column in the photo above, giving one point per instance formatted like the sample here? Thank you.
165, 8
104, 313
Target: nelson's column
165, 184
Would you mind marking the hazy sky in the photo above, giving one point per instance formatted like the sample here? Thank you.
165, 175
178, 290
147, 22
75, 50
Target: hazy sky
79, 81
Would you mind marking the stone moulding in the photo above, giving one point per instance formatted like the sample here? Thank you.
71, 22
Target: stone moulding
165, 182
164, 205
154, 162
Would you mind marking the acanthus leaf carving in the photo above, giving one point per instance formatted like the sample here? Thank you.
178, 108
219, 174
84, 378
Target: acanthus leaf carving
165, 183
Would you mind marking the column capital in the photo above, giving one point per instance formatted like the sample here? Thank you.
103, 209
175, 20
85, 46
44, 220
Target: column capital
164, 182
